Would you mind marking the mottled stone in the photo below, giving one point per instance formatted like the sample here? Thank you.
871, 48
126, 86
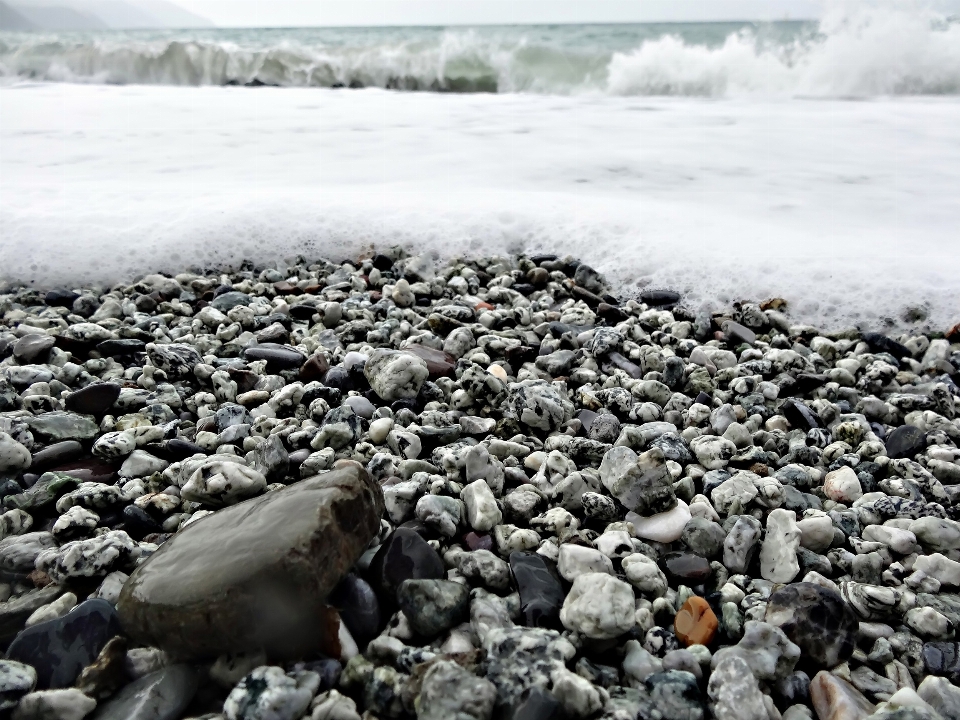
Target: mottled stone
598, 606
641, 483
268, 693
451, 693
817, 620
16, 680
256, 574
59, 649
432, 606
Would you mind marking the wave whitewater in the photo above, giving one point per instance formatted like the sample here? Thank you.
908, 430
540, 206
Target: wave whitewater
858, 54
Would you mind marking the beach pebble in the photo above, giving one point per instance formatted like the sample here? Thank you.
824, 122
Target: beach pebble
268, 693
598, 606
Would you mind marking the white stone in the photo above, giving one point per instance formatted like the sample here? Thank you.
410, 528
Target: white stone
713, 452
70, 704
395, 375
644, 574
111, 586
331, 705
938, 566
936, 533
57, 609
665, 527
733, 495
268, 693
95, 556
778, 553
222, 482
379, 429
75, 518
902, 542
483, 564
577, 695
842, 486
16, 680
735, 692
577, 560
928, 622
599, 606
816, 531
13, 456
140, 463
15, 522
440, 512
482, 510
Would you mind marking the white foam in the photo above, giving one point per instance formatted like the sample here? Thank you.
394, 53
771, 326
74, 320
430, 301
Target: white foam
847, 209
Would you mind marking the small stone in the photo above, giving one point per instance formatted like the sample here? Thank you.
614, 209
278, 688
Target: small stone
359, 608
577, 560
395, 375
57, 426
817, 620
278, 357
440, 512
741, 543
68, 704
599, 606
713, 452
541, 595
644, 574
94, 399
835, 699
302, 540
665, 527
93, 557
59, 649
404, 555
905, 441
104, 675
522, 658
765, 648
268, 693
735, 692
695, 622
482, 510
161, 695
642, 483
940, 694
33, 347
778, 554
843, 486
433, 606
538, 405
16, 680
217, 481
942, 658
176, 360
451, 693
14, 457
492, 571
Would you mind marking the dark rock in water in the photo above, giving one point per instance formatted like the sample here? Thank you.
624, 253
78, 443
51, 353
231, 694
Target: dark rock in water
799, 415
57, 425
359, 608
14, 613
686, 567
258, 574
33, 347
161, 695
230, 299
881, 343
943, 658
119, 348
94, 399
403, 556
60, 298
541, 594
905, 442
737, 333
817, 619
278, 357
56, 454
59, 649
433, 606
314, 369
586, 277
439, 363
537, 704
659, 298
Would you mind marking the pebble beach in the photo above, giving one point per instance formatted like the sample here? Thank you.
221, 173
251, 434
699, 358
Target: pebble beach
493, 487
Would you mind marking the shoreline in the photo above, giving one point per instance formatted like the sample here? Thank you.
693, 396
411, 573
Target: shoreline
502, 488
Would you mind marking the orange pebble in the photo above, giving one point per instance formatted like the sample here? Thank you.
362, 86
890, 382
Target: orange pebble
696, 623
483, 306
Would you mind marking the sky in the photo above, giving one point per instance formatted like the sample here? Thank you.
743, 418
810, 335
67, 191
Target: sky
286, 13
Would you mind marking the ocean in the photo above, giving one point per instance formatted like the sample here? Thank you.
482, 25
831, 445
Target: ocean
818, 162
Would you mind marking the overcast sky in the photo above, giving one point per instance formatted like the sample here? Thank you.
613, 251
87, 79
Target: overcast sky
282, 13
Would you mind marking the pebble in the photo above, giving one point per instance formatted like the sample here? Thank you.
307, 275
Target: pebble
219, 606
161, 695
834, 698
695, 623
598, 606
665, 527
449, 691
67, 704
778, 553
817, 620
268, 693
16, 680
59, 649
